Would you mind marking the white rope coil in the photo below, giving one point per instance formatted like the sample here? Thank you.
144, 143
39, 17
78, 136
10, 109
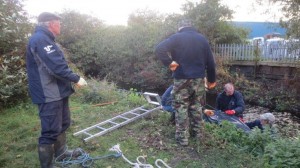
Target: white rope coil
140, 160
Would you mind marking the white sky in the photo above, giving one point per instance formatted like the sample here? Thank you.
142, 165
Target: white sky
116, 12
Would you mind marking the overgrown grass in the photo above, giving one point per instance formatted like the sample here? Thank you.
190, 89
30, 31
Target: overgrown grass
151, 137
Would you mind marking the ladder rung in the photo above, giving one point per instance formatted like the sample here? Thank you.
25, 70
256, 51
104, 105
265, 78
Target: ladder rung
101, 128
87, 133
113, 122
134, 113
152, 98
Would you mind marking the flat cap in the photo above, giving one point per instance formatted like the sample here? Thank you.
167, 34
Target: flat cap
185, 23
268, 116
47, 16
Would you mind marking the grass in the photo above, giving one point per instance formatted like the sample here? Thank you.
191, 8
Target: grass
151, 137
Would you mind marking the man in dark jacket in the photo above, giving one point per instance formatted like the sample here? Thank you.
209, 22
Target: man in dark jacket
50, 86
266, 119
188, 54
231, 101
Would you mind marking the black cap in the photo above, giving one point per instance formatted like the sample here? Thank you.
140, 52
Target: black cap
185, 23
47, 16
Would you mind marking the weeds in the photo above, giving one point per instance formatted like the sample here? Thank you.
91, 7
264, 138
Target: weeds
151, 137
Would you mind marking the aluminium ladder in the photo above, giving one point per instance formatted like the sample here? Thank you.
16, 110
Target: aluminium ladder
122, 119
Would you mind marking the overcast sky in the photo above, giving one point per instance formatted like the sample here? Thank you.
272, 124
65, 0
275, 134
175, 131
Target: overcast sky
115, 12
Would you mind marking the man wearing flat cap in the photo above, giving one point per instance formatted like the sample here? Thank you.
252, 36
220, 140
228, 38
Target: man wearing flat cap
50, 79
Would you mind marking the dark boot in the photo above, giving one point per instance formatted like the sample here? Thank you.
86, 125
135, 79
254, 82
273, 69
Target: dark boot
61, 151
46, 152
172, 118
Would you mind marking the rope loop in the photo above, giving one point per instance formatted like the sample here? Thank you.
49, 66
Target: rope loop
141, 161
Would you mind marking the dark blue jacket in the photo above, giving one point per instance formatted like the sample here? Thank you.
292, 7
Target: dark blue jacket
191, 51
233, 102
49, 76
255, 123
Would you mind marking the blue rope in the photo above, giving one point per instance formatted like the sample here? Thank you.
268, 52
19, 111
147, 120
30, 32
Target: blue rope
84, 159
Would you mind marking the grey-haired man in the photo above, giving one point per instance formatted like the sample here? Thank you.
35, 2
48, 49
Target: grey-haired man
50, 78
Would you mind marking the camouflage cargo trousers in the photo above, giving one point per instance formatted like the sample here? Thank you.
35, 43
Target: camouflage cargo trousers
187, 94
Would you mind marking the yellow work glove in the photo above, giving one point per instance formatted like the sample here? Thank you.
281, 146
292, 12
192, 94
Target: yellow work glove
209, 112
173, 65
211, 85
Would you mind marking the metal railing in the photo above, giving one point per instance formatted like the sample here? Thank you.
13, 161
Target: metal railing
246, 52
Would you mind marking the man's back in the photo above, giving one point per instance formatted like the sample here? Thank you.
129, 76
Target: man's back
191, 51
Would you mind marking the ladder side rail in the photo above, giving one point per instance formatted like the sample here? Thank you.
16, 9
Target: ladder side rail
133, 112
102, 123
121, 124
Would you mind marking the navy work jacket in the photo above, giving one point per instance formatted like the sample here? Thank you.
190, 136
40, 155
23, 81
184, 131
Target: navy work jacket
191, 51
49, 75
234, 102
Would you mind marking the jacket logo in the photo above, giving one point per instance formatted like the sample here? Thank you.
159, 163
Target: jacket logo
48, 49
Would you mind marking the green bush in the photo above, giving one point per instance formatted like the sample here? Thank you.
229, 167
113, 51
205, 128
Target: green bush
12, 79
15, 29
276, 151
228, 135
283, 153
97, 92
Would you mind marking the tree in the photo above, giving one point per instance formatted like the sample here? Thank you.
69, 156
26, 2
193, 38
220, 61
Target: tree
14, 25
291, 10
211, 18
76, 26
291, 15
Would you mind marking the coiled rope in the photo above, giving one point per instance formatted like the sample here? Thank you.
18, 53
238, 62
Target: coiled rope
84, 159
140, 160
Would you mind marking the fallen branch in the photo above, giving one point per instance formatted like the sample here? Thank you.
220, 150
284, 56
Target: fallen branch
96, 105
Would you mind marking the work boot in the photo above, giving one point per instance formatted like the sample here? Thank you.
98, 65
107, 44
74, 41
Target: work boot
46, 152
61, 151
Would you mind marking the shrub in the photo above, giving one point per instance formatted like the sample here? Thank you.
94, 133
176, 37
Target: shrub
283, 153
97, 92
12, 79
15, 29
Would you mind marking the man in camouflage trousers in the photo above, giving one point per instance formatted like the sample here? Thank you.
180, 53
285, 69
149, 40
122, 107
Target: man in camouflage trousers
187, 94
190, 59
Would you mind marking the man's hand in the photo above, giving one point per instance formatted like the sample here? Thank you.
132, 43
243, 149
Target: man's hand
209, 112
211, 85
173, 65
81, 82
230, 112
